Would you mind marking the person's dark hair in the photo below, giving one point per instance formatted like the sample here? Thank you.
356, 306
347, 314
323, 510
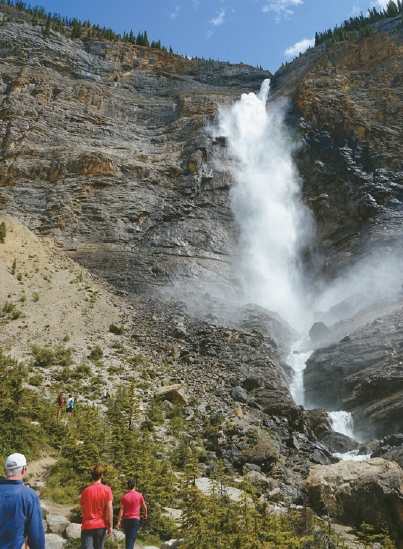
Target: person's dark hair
96, 472
131, 483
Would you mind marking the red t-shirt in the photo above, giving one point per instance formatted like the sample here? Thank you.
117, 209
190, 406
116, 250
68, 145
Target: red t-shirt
93, 502
131, 502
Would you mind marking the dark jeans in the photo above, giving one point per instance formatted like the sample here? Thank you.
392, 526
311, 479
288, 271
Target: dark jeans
131, 529
93, 539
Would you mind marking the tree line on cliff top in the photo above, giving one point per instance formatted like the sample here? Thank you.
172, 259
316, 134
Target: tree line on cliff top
75, 28
358, 27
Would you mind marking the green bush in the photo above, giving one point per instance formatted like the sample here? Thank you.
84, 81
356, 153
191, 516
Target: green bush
46, 356
10, 311
96, 353
82, 371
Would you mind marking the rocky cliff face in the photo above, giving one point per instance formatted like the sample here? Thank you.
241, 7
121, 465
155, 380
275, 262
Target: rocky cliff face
107, 149
109, 152
347, 101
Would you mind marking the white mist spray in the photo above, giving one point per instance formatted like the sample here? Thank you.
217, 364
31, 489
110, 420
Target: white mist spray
274, 224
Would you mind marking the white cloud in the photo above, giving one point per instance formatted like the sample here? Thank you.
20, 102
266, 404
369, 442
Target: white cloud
219, 20
299, 47
382, 3
174, 14
356, 10
196, 4
282, 8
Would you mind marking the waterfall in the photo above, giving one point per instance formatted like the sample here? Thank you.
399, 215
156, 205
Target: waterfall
342, 422
297, 361
273, 222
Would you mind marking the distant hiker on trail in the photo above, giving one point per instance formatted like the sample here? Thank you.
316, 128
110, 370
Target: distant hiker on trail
97, 512
60, 402
130, 511
20, 511
69, 406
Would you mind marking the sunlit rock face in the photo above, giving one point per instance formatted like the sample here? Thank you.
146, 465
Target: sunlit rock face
109, 152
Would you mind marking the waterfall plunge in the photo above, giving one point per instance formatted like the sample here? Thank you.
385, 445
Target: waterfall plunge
274, 224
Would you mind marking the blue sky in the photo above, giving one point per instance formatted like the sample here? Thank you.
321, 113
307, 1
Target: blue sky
263, 33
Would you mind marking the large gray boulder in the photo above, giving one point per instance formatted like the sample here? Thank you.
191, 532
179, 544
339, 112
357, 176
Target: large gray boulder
73, 530
57, 524
53, 541
360, 491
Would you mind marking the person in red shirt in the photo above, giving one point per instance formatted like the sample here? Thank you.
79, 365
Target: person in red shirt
130, 511
97, 512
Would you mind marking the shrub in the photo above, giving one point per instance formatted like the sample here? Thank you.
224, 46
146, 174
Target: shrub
83, 370
3, 231
116, 329
35, 296
96, 353
45, 356
9, 310
35, 380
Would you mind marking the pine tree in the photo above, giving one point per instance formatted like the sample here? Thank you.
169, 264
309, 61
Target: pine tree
46, 32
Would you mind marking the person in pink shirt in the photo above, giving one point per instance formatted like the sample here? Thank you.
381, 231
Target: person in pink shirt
97, 512
130, 512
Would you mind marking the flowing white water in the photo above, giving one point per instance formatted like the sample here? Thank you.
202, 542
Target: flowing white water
342, 422
297, 361
274, 224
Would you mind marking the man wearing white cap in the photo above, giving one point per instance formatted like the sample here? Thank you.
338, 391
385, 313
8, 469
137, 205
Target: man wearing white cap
20, 511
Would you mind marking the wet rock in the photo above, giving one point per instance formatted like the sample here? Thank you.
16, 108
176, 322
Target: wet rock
339, 443
319, 421
353, 374
319, 332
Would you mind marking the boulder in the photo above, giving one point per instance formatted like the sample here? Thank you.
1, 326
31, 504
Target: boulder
173, 544
240, 394
53, 541
252, 382
174, 393
260, 481
265, 453
73, 530
337, 442
360, 491
57, 524
319, 421
391, 454
117, 535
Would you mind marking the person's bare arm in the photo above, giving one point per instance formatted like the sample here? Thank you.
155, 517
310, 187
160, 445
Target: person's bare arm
109, 517
121, 510
144, 506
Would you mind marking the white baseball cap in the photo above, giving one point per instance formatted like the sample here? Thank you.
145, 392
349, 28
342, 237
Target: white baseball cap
15, 461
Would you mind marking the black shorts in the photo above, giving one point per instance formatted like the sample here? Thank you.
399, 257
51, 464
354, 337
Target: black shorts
69, 410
